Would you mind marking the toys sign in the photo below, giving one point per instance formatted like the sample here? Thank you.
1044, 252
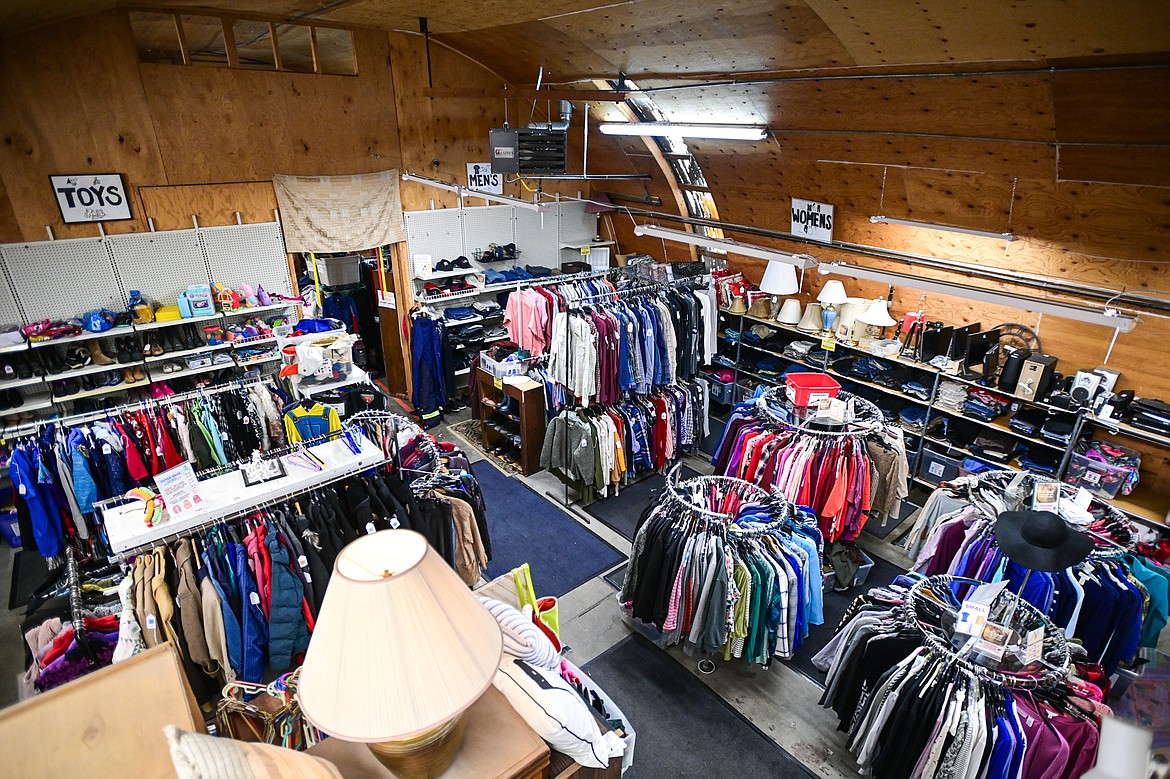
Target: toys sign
91, 197
480, 176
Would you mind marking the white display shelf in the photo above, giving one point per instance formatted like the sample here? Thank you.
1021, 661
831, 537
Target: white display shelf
93, 393
226, 495
193, 320
356, 376
18, 383
21, 347
588, 245
173, 355
254, 310
155, 379
446, 274
258, 360
29, 405
90, 369
245, 343
115, 332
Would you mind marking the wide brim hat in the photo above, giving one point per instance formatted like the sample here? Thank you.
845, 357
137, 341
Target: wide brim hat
1040, 540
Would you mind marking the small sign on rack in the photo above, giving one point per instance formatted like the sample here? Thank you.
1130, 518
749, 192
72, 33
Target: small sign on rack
179, 488
258, 470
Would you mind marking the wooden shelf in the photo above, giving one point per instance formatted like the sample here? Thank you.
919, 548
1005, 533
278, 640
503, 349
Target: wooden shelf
532, 420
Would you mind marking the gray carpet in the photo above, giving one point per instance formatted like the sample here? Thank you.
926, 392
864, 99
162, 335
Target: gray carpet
684, 729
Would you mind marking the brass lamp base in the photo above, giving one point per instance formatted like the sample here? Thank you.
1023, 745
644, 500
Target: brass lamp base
425, 756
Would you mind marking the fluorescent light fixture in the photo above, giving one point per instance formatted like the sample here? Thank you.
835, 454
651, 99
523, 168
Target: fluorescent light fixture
889, 220
726, 245
468, 192
715, 132
1109, 317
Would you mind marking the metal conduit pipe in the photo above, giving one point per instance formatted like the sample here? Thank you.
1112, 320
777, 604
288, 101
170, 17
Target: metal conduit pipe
887, 76
991, 274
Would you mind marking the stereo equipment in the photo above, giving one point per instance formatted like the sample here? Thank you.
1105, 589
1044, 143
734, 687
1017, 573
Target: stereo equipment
1036, 376
1084, 387
1109, 378
1009, 374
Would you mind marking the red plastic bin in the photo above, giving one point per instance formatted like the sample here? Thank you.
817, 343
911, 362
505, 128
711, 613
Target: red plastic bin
807, 389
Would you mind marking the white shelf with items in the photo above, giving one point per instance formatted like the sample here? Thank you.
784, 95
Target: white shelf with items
191, 320
28, 406
113, 332
18, 383
185, 353
20, 347
356, 376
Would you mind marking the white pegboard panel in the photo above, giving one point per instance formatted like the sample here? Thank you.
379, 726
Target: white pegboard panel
250, 254
63, 279
438, 233
160, 264
10, 312
485, 225
577, 226
538, 237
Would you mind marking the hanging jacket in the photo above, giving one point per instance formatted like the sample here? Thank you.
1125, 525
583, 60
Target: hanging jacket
253, 628
261, 566
287, 633
233, 637
191, 605
46, 531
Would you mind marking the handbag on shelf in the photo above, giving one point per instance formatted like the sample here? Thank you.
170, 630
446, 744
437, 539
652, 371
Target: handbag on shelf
545, 612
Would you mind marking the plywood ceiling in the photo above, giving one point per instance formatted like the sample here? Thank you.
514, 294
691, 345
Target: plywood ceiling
668, 42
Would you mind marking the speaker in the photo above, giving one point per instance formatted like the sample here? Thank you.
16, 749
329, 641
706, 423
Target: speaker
1084, 387
1009, 374
1036, 376
1108, 378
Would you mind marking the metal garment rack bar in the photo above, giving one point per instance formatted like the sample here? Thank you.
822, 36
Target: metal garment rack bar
32, 428
540, 281
364, 416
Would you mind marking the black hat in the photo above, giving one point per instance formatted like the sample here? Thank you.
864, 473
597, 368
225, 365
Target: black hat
1040, 540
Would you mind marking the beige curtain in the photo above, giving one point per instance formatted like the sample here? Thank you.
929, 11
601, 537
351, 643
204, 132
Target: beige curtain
340, 213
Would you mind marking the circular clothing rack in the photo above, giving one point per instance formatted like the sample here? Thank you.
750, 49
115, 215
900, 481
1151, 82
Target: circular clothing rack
862, 418
1016, 491
1054, 659
694, 494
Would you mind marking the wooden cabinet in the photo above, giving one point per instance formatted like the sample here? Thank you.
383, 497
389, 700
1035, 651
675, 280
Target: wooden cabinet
498, 744
526, 418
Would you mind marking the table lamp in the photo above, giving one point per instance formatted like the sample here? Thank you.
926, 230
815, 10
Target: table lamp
877, 315
789, 312
400, 651
846, 322
779, 280
832, 295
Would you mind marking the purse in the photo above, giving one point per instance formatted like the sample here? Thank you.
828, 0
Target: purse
545, 612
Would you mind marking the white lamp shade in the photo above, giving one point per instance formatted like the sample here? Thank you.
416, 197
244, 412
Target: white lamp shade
833, 293
779, 279
395, 655
850, 311
789, 312
877, 314
811, 321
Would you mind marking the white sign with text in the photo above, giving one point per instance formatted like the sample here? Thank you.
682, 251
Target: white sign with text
480, 176
812, 220
91, 197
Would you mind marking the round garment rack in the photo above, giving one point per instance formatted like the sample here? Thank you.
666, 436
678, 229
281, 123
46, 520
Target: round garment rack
1054, 656
1016, 489
865, 417
690, 492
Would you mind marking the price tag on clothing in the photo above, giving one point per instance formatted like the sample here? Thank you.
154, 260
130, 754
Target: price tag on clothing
107, 449
1034, 645
829, 344
303, 561
370, 529
23, 489
308, 578
152, 623
394, 523
253, 598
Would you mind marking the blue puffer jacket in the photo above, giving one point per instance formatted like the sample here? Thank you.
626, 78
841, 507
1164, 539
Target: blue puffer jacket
253, 628
287, 632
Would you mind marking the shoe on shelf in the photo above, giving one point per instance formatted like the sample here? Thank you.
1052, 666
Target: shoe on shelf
139, 374
125, 350
173, 344
155, 347
76, 357
5, 401
128, 375
112, 379
96, 354
146, 348
7, 372
66, 387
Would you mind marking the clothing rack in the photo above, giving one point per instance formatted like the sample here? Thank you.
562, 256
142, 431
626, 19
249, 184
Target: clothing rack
34, 427
971, 488
1054, 638
636, 288
700, 487
867, 417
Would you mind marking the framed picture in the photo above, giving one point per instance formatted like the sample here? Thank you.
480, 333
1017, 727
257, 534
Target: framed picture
257, 471
91, 197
